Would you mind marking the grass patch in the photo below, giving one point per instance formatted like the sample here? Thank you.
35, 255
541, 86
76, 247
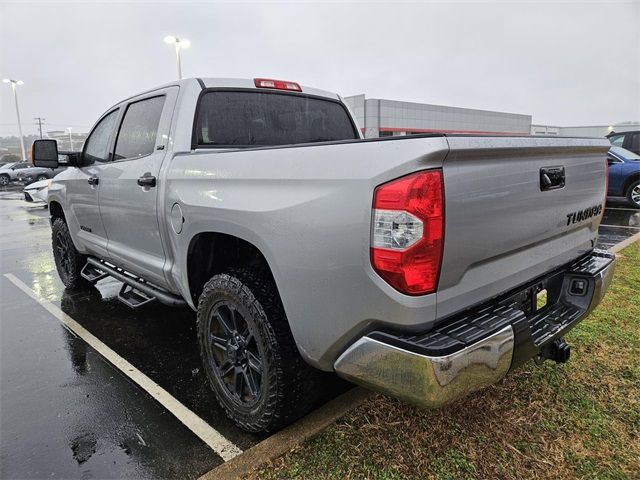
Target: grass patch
578, 420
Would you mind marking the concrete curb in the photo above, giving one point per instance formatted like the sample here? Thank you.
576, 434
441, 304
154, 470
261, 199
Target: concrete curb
625, 243
281, 442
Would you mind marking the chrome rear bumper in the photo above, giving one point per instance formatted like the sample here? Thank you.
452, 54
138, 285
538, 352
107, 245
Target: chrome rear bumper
424, 380
396, 368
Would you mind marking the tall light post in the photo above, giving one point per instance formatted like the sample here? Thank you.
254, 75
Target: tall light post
14, 87
179, 43
70, 140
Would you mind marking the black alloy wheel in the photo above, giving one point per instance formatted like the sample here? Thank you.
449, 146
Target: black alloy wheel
69, 261
61, 248
234, 352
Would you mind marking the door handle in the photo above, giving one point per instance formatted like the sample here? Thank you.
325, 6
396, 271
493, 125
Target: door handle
147, 181
93, 181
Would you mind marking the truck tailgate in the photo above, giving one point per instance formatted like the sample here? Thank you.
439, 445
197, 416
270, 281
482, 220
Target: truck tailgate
506, 222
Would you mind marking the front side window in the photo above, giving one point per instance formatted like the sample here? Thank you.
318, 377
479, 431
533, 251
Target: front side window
97, 145
248, 118
137, 135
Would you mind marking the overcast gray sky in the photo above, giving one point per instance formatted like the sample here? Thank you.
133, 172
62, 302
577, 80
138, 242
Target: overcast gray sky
566, 63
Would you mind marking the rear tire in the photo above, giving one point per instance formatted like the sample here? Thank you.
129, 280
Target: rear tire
4, 180
69, 262
633, 194
252, 362
42, 177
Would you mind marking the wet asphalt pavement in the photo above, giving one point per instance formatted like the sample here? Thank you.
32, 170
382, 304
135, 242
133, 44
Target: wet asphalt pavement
620, 221
66, 412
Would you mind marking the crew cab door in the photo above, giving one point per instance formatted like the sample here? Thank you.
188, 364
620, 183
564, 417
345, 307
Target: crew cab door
83, 188
129, 185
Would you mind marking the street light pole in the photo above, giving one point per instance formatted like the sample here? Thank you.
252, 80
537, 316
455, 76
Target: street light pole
179, 44
178, 61
14, 85
70, 140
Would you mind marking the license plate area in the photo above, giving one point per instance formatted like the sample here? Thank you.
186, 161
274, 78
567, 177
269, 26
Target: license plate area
538, 296
542, 299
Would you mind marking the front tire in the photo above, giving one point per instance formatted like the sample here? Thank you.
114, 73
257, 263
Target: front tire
42, 177
633, 194
69, 262
249, 354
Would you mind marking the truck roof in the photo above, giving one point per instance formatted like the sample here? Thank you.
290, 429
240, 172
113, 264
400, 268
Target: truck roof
249, 83
211, 82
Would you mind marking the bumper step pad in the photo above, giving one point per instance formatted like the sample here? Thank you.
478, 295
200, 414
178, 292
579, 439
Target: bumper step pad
455, 335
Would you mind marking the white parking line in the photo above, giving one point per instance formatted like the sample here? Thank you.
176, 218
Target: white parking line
218, 443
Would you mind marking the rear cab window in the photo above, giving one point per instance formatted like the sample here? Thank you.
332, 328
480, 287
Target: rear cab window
254, 118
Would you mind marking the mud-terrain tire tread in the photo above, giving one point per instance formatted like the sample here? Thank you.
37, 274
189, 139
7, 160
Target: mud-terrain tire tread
75, 281
293, 384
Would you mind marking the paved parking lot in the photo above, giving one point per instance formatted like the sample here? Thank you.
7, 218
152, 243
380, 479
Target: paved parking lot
66, 410
620, 222
69, 411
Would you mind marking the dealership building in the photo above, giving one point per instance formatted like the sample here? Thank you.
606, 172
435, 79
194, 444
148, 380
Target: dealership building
383, 118
584, 131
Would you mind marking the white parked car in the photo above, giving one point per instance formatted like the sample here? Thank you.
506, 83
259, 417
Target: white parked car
37, 192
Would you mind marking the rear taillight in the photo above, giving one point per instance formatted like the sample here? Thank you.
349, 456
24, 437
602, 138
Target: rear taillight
408, 232
276, 84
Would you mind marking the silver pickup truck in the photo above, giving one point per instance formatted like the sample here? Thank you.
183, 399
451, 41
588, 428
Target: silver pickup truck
424, 266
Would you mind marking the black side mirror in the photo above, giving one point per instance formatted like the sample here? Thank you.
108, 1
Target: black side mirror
45, 153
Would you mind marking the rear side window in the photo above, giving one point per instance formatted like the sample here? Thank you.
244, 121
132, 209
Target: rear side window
137, 135
243, 119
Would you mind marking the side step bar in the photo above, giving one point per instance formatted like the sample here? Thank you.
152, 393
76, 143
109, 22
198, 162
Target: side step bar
92, 274
132, 297
138, 292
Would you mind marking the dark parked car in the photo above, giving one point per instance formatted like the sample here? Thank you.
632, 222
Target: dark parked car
9, 172
624, 175
37, 174
628, 140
